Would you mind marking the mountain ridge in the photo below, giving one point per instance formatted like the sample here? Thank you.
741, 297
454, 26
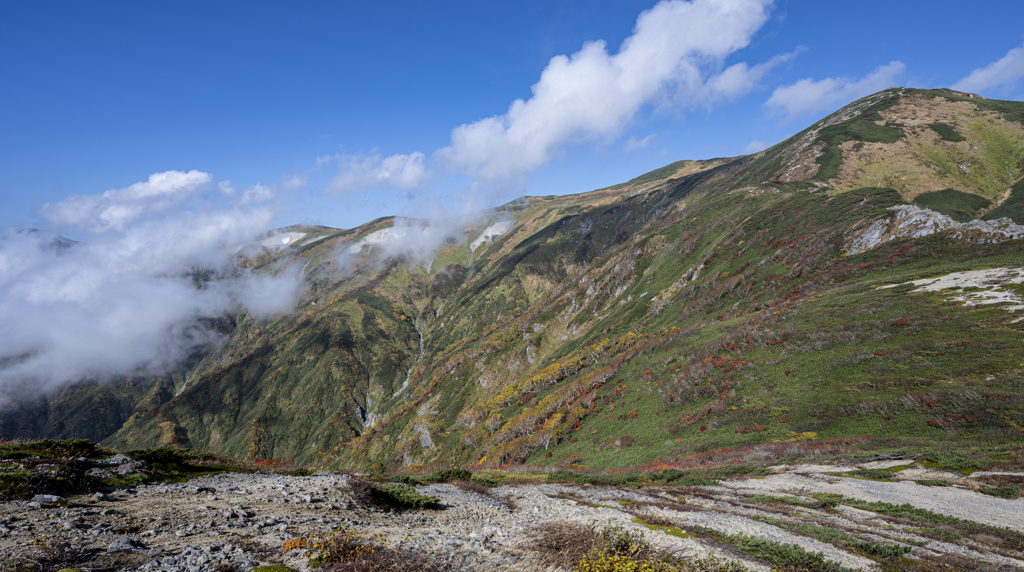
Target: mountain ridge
691, 293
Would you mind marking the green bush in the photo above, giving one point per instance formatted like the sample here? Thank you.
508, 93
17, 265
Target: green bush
947, 132
786, 555
449, 475
886, 550
956, 205
1005, 492
828, 500
951, 460
873, 474
161, 456
404, 479
934, 482
404, 496
486, 481
48, 448
940, 533
131, 480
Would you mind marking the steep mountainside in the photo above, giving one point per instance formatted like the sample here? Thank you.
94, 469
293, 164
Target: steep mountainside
732, 307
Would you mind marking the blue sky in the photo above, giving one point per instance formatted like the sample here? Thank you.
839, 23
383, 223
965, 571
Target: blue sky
337, 113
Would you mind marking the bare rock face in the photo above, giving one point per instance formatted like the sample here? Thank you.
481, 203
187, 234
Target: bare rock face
911, 221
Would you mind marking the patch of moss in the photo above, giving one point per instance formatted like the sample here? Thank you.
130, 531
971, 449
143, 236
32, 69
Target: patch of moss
669, 530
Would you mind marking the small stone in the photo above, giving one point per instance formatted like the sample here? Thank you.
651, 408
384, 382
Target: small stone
47, 499
122, 545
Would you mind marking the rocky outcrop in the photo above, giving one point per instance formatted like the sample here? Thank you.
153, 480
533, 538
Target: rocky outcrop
911, 221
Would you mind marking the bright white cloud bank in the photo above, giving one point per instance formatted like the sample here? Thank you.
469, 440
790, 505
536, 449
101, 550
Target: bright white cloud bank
120, 303
1002, 73
811, 97
116, 208
593, 94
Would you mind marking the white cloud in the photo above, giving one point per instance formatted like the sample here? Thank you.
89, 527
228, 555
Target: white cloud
754, 147
124, 303
810, 97
294, 182
593, 94
1001, 73
632, 144
114, 209
739, 79
257, 194
355, 172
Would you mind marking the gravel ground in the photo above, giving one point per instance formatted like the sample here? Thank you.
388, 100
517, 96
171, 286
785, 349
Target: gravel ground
240, 520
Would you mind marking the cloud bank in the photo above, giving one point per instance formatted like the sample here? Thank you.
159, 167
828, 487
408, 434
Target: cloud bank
124, 300
592, 94
116, 208
811, 97
1003, 73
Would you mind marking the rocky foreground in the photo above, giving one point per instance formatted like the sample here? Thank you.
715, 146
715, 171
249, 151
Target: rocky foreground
237, 521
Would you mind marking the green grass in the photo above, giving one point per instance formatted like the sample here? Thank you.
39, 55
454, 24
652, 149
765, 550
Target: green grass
947, 132
1012, 207
955, 204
